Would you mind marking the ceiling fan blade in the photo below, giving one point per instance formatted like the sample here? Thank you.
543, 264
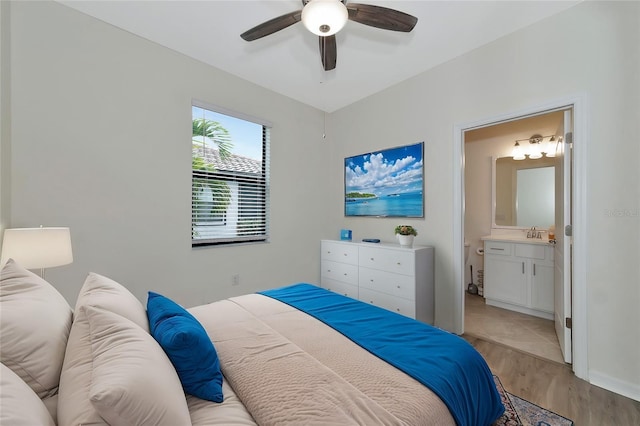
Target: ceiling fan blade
328, 52
271, 26
381, 17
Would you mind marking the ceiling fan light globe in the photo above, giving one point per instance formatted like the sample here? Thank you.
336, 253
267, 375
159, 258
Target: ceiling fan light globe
324, 17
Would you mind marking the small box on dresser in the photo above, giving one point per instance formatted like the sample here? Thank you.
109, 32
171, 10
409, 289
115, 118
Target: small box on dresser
396, 278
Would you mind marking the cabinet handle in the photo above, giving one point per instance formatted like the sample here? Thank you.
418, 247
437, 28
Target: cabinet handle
398, 263
328, 251
371, 280
498, 249
328, 270
345, 274
372, 259
534, 269
398, 286
523, 267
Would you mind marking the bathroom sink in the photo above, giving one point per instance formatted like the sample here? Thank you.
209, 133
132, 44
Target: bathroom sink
516, 238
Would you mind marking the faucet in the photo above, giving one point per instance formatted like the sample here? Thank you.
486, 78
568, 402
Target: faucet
534, 233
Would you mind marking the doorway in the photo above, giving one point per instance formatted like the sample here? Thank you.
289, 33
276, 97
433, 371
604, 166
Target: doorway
497, 203
576, 258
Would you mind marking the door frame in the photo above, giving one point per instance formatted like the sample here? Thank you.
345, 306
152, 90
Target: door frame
578, 103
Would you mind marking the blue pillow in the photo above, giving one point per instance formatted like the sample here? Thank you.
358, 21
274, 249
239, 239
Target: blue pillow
187, 345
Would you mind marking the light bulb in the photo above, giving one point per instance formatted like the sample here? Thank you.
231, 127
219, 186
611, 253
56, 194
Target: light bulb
324, 17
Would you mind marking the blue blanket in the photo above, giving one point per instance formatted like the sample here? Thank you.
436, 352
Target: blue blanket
442, 361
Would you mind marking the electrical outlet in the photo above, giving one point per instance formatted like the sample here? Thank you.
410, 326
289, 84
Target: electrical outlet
235, 279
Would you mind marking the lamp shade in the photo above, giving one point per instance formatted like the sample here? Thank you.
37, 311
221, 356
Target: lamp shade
35, 248
517, 153
535, 152
324, 17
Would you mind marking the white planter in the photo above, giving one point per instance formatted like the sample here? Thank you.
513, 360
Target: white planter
405, 240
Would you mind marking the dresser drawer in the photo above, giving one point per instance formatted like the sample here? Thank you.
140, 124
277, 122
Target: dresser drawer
396, 261
340, 287
534, 251
387, 282
498, 247
339, 252
391, 303
339, 272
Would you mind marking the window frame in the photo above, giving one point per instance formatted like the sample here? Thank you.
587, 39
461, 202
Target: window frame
261, 182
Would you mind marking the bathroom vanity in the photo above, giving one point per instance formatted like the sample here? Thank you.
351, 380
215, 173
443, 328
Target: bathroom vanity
518, 275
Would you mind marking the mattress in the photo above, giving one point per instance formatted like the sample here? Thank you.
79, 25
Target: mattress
284, 366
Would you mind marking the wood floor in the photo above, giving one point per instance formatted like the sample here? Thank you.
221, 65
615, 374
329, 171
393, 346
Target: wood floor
554, 386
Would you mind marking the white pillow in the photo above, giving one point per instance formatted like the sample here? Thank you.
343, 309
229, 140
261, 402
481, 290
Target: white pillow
132, 382
19, 404
35, 324
107, 294
74, 407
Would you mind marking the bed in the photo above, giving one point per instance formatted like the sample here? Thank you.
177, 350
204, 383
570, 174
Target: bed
296, 355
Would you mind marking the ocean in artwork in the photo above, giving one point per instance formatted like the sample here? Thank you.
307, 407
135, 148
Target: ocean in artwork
403, 205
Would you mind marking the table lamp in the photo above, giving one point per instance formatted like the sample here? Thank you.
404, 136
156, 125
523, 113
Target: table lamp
37, 248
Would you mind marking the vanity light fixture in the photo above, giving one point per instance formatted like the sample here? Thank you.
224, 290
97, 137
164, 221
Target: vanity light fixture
536, 147
517, 153
552, 146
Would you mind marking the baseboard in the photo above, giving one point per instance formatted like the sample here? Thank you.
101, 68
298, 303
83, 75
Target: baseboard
621, 387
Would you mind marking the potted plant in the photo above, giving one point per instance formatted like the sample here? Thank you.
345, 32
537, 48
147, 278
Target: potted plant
405, 234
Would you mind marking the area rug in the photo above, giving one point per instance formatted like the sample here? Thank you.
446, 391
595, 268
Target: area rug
520, 412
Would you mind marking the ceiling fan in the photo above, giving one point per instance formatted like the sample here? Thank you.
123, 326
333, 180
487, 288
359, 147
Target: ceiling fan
326, 17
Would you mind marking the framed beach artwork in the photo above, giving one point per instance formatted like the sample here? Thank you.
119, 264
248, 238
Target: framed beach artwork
387, 183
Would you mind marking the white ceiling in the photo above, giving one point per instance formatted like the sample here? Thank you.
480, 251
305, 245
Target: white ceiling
288, 62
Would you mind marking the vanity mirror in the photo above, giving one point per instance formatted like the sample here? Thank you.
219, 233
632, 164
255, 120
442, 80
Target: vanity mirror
523, 192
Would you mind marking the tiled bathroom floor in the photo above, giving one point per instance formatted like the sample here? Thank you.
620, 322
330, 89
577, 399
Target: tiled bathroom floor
527, 333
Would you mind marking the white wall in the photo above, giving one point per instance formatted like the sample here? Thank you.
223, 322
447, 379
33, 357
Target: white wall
101, 123
591, 48
5, 117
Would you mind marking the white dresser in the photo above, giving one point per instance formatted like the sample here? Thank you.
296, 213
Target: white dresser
395, 278
519, 276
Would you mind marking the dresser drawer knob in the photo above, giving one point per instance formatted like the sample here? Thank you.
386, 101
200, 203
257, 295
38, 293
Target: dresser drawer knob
398, 263
372, 259
398, 286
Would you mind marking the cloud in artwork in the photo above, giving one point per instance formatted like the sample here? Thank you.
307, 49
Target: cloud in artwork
381, 176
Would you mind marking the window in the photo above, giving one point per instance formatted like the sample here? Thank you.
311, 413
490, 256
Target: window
230, 178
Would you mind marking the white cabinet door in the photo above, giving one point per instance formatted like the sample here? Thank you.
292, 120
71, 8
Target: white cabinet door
505, 279
542, 296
